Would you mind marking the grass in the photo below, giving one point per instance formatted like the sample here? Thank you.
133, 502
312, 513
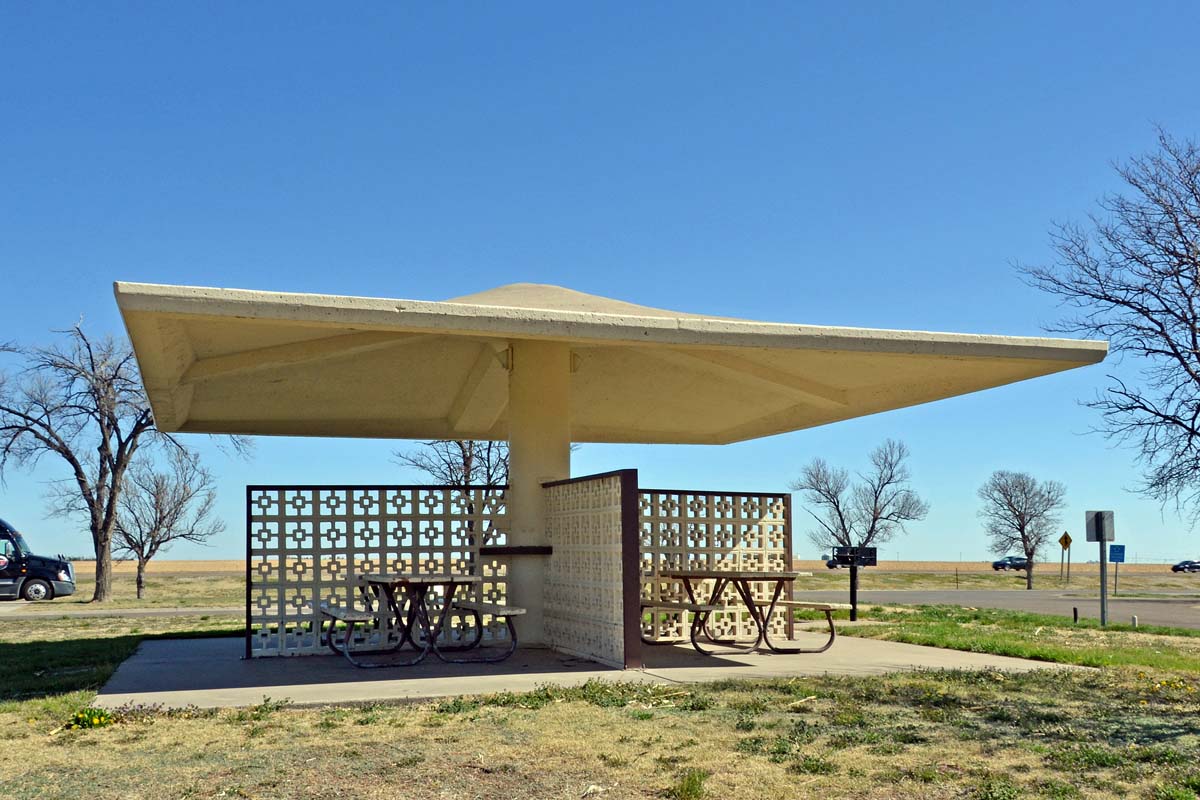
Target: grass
66, 655
1144, 582
174, 588
1040, 637
1128, 729
1064, 734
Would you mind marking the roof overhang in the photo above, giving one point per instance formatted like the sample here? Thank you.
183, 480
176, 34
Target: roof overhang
252, 362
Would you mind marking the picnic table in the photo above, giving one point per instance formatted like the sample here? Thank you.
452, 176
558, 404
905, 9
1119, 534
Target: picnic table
400, 601
760, 613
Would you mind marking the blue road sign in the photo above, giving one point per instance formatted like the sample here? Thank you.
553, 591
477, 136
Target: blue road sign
1116, 553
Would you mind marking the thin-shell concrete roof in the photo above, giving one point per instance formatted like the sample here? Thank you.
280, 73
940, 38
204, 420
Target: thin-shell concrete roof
254, 362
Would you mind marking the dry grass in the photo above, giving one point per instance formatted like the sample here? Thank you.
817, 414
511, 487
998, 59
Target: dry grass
981, 735
167, 566
174, 585
1115, 732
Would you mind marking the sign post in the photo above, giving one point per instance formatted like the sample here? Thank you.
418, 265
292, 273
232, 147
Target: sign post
1065, 542
854, 557
1116, 554
1100, 529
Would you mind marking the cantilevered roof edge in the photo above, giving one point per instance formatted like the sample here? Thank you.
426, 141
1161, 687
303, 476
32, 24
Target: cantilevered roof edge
450, 318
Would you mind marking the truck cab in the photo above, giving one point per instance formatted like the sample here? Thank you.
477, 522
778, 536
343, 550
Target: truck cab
28, 576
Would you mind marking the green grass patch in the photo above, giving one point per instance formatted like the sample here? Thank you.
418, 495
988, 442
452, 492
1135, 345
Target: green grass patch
1038, 637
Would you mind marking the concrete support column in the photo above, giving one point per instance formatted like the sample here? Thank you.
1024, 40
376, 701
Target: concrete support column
539, 436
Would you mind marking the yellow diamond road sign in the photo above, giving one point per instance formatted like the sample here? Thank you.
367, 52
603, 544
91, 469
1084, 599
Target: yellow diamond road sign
1065, 540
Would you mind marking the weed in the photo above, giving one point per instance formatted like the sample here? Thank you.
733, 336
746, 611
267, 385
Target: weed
91, 718
612, 761
456, 705
641, 714
1057, 790
261, 711
745, 722
1156, 754
1084, 757
854, 738
751, 745
779, 749
690, 786
849, 718
997, 787
804, 731
813, 765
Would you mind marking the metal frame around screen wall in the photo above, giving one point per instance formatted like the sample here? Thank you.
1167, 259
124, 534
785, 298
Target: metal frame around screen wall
308, 544
685, 529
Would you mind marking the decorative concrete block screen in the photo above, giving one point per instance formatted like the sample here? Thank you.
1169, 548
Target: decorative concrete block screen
683, 530
309, 544
591, 591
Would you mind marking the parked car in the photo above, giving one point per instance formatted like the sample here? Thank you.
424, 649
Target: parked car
1011, 562
28, 576
1186, 566
832, 564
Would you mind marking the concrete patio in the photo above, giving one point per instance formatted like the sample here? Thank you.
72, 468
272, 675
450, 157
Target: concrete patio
211, 672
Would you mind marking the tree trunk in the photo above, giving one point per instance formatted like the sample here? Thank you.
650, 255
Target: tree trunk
103, 591
141, 578
1029, 574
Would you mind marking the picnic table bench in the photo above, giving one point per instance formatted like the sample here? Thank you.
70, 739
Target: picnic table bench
401, 602
760, 611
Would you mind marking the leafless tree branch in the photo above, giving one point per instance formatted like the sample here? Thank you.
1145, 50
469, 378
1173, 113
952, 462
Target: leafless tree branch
1132, 276
80, 401
1020, 512
865, 514
160, 507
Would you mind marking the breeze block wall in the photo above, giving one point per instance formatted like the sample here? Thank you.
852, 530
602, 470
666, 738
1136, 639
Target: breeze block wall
591, 589
309, 544
694, 530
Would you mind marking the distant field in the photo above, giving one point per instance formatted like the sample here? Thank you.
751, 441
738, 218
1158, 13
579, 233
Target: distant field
963, 567
221, 583
85, 567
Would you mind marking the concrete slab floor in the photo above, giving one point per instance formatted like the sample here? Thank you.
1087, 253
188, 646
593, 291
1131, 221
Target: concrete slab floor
212, 673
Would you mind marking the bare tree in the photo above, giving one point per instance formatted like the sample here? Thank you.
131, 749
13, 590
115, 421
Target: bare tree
82, 402
160, 507
867, 513
452, 462
1133, 277
1019, 511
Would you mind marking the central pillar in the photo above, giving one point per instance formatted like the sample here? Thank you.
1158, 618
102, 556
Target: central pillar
539, 441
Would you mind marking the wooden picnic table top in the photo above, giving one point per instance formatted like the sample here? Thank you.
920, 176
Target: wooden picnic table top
419, 579
735, 574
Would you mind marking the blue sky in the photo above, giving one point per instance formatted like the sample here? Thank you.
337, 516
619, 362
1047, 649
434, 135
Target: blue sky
882, 165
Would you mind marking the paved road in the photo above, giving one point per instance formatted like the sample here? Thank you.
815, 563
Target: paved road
1181, 612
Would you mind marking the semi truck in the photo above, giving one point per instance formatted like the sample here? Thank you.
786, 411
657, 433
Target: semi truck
31, 577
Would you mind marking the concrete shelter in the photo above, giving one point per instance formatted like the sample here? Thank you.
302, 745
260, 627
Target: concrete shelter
540, 366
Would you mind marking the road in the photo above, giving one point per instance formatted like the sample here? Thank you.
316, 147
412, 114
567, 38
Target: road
1181, 612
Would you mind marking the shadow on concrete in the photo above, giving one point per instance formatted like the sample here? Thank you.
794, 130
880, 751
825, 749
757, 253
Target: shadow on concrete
174, 666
